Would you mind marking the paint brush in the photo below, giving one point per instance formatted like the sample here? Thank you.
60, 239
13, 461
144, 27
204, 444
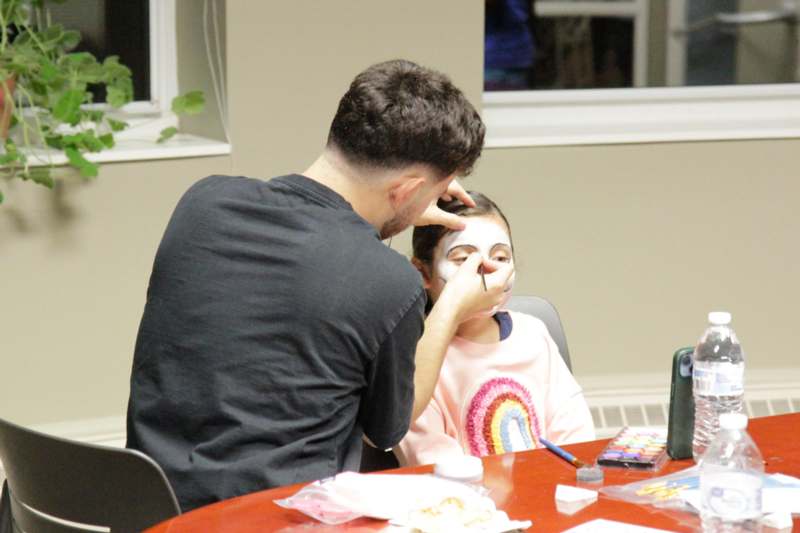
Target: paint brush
564, 454
483, 277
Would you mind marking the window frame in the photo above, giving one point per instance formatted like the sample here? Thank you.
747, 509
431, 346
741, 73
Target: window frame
640, 114
163, 60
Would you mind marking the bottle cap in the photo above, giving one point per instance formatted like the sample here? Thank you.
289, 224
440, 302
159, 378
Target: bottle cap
465, 468
719, 318
733, 420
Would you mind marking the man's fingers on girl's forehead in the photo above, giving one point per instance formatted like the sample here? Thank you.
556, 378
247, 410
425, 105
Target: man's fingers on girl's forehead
455, 189
452, 221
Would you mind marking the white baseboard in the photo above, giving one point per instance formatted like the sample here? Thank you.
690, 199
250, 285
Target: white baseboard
643, 399
105, 431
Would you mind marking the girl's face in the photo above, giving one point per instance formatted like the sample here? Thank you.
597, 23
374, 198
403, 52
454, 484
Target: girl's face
486, 235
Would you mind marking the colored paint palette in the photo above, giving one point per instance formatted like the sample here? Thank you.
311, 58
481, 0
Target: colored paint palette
642, 448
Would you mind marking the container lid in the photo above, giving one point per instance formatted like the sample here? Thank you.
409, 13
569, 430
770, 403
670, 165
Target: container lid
719, 318
733, 421
459, 468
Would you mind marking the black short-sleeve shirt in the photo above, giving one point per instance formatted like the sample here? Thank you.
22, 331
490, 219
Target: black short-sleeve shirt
278, 329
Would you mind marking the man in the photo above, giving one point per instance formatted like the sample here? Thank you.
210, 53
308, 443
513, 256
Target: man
278, 328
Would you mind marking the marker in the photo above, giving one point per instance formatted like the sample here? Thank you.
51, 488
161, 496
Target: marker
564, 454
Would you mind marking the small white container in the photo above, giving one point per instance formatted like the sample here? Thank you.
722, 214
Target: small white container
464, 468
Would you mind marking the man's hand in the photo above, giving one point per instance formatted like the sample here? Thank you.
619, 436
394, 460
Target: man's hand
435, 216
464, 293
463, 297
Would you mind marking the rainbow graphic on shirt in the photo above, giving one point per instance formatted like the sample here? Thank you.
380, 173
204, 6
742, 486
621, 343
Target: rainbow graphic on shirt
501, 418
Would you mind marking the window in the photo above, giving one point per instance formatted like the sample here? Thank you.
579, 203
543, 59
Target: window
143, 34
609, 71
112, 27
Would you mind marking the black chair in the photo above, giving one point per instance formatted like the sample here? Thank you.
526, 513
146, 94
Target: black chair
373, 459
56, 485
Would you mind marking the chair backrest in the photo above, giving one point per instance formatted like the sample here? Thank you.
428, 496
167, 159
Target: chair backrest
85, 484
546, 312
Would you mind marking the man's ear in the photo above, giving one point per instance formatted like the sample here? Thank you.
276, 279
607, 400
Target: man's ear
404, 189
424, 270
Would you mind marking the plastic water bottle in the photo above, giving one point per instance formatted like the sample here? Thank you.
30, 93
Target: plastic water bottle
731, 479
718, 379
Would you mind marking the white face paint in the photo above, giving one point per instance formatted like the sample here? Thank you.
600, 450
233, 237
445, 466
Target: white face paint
485, 235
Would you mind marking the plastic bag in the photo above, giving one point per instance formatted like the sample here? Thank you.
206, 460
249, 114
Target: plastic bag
664, 492
320, 504
394, 497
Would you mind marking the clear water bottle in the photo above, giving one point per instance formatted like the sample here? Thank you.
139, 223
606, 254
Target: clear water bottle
731, 479
718, 379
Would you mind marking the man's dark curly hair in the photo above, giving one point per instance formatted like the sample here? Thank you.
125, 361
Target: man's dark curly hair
398, 113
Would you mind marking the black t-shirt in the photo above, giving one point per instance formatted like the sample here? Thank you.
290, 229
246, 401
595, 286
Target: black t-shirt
278, 329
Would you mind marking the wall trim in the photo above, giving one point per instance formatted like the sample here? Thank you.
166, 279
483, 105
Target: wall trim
617, 116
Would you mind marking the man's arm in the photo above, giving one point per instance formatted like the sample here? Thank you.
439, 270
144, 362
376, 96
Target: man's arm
463, 296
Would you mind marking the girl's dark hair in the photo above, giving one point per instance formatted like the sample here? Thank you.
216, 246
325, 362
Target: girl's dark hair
425, 238
398, 113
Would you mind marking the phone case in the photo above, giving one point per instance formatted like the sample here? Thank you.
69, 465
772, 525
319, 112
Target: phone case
680, 428
641, 448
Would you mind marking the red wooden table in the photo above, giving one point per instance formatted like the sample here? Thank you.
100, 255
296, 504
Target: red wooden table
522, 484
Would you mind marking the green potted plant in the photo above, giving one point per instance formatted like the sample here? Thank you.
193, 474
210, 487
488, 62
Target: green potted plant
45, 96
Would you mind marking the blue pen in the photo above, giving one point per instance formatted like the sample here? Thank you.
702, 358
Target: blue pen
564, 454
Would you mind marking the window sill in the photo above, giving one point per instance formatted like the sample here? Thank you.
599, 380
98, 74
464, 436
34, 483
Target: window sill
181, 145
622, 116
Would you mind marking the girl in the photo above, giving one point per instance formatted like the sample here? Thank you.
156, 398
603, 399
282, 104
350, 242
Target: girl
503, 384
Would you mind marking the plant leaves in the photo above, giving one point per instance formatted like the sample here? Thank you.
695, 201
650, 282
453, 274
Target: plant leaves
167, 133
116, 125
114, 70
191, 103
95, 115
76, 159
120, 93
70, 39
48, 72
107, 140
11, 153
68, 107
40, 175
78, 59
1, 197
55, 141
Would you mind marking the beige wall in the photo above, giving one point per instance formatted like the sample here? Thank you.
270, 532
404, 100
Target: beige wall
290, 62
624, 239
74, 267
635, 244
194, 72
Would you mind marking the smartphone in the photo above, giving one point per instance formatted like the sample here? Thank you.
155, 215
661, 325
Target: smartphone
680, 428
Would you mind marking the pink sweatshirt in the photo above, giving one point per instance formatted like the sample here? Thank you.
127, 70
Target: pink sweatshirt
500, 397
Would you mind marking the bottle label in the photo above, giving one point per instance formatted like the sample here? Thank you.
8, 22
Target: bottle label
732, 495
718, 379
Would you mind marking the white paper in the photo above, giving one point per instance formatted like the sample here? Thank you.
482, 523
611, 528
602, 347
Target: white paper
570, 494
601, 525
570, 500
